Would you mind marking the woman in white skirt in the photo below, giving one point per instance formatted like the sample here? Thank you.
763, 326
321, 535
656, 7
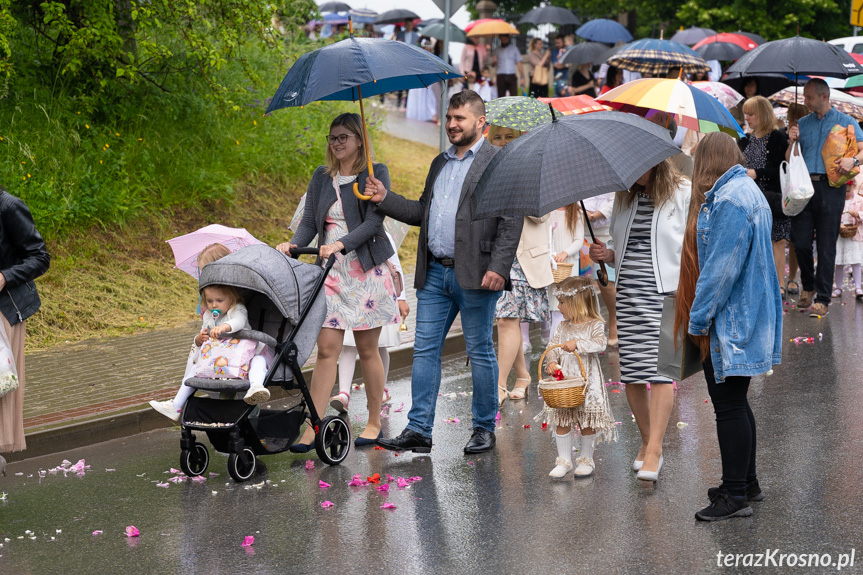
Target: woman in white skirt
566, 227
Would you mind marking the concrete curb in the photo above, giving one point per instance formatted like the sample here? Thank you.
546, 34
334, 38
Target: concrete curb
92, 431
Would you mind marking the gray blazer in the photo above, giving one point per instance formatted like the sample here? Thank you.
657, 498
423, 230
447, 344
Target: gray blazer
480, 245
365, 234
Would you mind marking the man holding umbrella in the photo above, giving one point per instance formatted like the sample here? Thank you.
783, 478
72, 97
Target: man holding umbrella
462, 266
821, 217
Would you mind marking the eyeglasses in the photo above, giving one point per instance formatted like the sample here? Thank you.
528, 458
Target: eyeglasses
341, 138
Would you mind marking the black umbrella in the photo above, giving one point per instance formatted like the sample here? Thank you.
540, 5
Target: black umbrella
692, 35
767, 83
584, 53
798, 57
394, 16
334, 7
754, 37
568, 160
720, 51
550, 15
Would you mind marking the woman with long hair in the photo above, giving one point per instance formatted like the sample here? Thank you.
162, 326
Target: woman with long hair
647, 226
536, 58
764, 149
359, 290
728, 298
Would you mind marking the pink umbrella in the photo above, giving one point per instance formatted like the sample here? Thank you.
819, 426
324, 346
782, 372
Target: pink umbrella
727, 96
186, 248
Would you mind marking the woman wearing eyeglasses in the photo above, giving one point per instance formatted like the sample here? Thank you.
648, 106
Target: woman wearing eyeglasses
359, 289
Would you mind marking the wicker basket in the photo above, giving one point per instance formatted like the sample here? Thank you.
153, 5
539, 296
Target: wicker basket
566, 393
848, 231
562, 272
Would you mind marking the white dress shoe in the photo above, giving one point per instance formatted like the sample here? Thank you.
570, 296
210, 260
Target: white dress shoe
585, 467
636, 465
650, 475
562, 467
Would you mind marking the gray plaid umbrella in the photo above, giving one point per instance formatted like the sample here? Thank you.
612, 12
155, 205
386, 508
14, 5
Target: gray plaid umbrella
570, 159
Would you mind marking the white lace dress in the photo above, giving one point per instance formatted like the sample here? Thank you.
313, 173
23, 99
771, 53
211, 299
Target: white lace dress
596, 412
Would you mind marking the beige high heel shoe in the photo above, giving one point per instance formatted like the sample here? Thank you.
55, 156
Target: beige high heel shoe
520, 392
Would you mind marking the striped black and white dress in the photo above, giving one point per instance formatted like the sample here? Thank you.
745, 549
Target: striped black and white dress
639, 307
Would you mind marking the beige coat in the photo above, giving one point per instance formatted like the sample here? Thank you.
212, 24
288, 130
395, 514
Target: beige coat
532, 252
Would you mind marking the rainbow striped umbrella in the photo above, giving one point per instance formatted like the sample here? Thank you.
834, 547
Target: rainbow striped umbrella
694, 109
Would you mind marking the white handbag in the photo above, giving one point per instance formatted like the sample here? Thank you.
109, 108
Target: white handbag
797, 188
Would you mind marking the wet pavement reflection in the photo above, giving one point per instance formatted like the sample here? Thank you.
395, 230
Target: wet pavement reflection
497, 512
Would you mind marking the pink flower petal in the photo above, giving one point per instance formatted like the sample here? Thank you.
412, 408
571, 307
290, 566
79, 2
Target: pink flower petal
384, 487
199, 479
415, 478
390, 477
388, 505
309, 464
165, 485
172, 470
97, 532
323, 484
402, 482
327, 504
132, 531
249, 541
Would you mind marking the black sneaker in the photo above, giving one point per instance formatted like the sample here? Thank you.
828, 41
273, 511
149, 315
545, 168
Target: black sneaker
753, 492
724, 506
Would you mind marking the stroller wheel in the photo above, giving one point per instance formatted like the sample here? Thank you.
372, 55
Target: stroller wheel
194, 461
333, 440
242, 467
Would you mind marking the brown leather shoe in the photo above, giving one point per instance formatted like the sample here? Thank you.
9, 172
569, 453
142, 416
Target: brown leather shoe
818, 310
805, 299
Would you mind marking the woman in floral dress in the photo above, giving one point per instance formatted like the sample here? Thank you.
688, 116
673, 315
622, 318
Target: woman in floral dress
359, 289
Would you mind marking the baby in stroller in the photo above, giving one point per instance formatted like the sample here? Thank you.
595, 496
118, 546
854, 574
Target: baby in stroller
224, 313
285, 308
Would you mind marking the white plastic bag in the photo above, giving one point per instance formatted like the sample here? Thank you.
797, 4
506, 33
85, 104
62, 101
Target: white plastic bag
797, 188
8, 371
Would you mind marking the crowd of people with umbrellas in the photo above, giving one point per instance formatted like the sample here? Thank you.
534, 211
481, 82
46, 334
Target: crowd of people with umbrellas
686, 249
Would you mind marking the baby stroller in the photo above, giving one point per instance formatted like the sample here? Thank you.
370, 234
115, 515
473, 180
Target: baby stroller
286, 311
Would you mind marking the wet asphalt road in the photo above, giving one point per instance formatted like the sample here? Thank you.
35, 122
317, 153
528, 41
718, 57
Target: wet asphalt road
496, 513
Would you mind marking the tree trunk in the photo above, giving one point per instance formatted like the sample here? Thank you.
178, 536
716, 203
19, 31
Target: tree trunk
126, 27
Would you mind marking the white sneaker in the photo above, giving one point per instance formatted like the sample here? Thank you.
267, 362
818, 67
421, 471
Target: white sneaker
257, 394
562, 467
584, 468
166, 408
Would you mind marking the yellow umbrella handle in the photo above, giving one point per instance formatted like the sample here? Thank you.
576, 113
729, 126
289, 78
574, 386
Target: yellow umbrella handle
366, 144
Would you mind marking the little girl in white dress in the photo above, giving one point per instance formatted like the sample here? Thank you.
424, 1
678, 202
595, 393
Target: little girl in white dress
581, 330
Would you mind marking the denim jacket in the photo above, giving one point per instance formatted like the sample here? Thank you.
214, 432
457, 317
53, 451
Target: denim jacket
737, 298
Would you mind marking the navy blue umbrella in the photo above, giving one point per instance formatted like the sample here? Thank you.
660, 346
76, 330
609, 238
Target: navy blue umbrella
359, 67
605, 31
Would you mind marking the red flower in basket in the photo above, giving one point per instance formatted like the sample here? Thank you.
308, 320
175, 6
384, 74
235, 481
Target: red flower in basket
558, 375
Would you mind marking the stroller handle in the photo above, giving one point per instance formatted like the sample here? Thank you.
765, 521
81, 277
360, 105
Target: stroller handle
304, 252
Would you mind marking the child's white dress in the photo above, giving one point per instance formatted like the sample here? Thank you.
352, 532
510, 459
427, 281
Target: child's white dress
596, 411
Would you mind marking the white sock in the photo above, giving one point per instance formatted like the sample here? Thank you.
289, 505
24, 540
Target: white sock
257, 371
347, 366
385, 359
564, 445
587, 444
183, 394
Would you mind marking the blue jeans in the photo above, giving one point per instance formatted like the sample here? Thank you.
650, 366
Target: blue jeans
820, 221
438, 302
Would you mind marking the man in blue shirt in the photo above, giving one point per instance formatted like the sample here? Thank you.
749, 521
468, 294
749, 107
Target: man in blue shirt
821, 217
462, 266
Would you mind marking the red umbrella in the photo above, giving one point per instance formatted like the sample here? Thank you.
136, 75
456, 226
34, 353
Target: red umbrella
579, 104
730, 38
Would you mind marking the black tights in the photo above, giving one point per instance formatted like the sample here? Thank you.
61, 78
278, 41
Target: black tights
735, 428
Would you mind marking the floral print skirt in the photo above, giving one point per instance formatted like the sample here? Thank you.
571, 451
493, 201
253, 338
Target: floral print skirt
356, 299
523, 302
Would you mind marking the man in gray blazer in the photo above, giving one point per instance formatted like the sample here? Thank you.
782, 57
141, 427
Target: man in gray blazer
462, 266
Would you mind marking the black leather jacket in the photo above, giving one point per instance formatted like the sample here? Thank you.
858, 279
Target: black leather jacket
23, 258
